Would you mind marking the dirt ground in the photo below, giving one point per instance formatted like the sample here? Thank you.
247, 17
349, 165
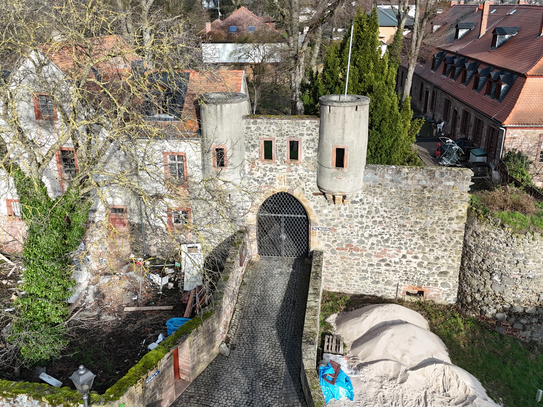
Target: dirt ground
103, 337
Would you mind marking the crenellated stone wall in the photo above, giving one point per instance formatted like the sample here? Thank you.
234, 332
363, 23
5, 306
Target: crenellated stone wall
403, 231
501, 276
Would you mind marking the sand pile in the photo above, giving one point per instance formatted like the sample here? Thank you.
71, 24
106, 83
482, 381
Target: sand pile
401, 363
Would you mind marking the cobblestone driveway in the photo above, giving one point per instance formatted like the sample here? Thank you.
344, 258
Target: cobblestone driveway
263, 368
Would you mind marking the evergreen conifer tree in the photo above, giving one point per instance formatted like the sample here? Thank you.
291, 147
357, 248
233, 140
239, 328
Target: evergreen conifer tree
391, 130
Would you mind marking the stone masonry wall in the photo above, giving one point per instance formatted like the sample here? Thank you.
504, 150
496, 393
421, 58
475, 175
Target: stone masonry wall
402, 231
501, 277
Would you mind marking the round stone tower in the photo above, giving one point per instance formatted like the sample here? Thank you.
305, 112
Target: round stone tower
223, 141
343, 141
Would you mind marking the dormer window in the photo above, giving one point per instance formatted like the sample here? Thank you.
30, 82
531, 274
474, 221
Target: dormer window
488, 89
464, 76
435, 27
476, 81
498, 89
501, 34
462, 29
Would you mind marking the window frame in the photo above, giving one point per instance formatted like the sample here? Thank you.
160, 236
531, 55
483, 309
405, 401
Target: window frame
11, 213
478, 127
446, 109
262, 151
60, 168
38, 113
299, 159
166, 155
112, 215
345, 157
170, 215
214, 149
465, 122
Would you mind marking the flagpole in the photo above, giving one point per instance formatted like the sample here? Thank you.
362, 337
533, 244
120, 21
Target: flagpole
349, 62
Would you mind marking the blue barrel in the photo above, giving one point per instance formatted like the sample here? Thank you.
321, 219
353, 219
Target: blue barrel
174, 323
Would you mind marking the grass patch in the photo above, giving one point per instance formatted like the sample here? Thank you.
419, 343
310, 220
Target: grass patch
514, 207
511, 371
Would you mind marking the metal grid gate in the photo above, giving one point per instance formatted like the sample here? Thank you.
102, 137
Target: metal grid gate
282, 227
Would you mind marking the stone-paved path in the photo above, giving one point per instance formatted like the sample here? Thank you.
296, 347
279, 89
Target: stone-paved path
263, 368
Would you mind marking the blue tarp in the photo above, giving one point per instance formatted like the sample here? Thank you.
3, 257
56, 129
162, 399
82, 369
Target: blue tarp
174, 323
342, 388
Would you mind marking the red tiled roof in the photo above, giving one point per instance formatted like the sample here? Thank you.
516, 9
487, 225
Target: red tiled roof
242, 18
527, 110
522, 55
71, 58
202, 82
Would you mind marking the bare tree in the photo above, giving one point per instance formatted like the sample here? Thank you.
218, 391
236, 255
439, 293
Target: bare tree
85, 124
300, 35
424, 10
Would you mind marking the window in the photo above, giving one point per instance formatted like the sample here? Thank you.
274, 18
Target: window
433, 101
175, 167
267, 150
540, 158
464, 76
178, 218
491, 141
44, 108
498, 89
251, 28
66, 166
420, 91
476, 81
219, 157
488, 89
339, 157
464, 125
233, 28
446, 109
118, 218
444, 72
67, 161
293, 151
478, 131
14, 209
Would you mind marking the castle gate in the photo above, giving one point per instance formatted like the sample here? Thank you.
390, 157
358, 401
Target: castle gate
282, 227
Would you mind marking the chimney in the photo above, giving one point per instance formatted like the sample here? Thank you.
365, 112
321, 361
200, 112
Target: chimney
484, 18
208, 27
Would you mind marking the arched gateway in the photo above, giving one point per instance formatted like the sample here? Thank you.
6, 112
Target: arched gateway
282, 227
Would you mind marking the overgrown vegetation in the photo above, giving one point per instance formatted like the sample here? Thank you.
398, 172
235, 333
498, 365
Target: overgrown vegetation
55, 227
510, 370
514, 207
518, 165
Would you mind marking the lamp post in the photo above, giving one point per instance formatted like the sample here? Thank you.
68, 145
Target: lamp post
83, 379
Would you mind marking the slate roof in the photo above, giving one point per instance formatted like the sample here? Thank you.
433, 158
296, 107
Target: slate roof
517, 63
387, 18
